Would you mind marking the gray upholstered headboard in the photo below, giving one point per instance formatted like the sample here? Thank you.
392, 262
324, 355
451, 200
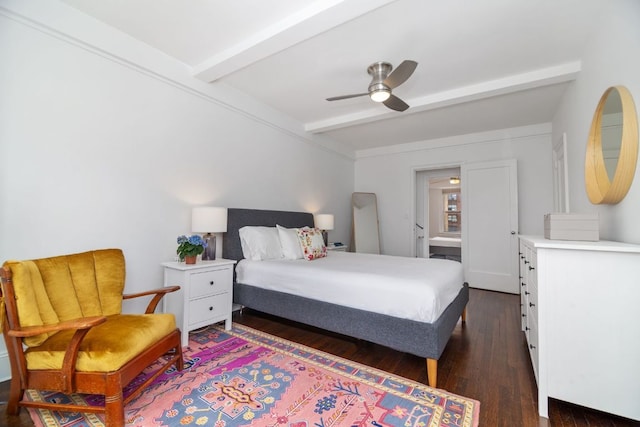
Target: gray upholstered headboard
238, 218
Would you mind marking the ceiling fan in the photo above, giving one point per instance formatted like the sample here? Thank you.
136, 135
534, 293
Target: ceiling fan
383, 81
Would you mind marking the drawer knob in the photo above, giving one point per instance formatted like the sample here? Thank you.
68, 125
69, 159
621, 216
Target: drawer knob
526, 328
532, 347
527, 293
526, 262
211, 283
524, 315
210, 308
524, 284
531, 304
531, 268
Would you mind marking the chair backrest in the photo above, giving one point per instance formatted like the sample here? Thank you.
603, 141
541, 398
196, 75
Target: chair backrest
57, 289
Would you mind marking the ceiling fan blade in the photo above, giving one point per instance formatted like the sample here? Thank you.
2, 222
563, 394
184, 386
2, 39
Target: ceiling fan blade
400, 74
396, 103
337, 98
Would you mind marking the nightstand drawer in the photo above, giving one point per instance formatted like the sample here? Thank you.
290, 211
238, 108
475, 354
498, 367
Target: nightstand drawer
210, 282
205, 309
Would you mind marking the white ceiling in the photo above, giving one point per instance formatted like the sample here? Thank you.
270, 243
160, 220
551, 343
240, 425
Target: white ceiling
483, 64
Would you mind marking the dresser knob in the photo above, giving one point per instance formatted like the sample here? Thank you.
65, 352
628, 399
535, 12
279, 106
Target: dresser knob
524, 284
526, 262
531, 304
211, 283
531, 268
527, 293
532, 347
524, 315
526, 328
210, 308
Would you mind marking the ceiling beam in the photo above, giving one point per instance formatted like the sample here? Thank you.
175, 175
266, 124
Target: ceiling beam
511, 84
320, 16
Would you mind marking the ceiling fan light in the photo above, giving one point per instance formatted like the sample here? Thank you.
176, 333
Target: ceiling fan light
380, 95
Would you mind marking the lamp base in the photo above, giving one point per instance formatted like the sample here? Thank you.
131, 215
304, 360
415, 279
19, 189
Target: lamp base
325, 237
209, 253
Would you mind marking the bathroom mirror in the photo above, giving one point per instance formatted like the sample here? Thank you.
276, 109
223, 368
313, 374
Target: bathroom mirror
612, 147
365, 235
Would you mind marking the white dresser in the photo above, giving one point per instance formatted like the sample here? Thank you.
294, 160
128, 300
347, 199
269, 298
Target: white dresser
205, 295
579, 313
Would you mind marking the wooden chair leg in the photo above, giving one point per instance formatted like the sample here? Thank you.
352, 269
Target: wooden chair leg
15, 395
432, 372
180, 361
464, 315
113, 402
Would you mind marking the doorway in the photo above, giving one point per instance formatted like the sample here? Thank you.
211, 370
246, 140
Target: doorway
438, 214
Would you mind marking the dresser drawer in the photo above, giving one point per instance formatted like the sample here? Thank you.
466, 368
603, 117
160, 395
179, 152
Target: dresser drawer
532, 344
532, 269
531, 302
210, 282
206, 309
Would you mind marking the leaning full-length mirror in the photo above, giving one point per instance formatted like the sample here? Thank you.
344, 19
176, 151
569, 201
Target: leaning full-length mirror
365, 236
612, 148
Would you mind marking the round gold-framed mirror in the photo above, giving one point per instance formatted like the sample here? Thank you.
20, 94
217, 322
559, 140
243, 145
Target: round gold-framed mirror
612, 147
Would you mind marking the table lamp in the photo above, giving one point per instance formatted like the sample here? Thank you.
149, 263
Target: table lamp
209, 220
324, 222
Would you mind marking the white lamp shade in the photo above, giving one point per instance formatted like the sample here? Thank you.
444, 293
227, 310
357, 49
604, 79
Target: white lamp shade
324, 221
207, 219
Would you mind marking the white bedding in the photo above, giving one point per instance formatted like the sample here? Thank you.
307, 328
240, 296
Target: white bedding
410, 288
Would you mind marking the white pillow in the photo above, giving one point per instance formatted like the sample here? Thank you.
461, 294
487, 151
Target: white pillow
260, 243
290, 243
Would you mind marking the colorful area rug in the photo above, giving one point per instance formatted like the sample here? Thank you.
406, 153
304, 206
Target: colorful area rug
245, 377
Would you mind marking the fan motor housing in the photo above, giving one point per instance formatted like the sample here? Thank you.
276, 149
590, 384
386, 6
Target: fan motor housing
379, 71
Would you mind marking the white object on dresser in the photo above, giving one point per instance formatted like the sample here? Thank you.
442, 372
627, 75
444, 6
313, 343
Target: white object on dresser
332, 247
569, 226
205, 296
579, 307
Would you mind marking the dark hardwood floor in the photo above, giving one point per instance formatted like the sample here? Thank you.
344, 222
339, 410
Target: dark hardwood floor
486, 359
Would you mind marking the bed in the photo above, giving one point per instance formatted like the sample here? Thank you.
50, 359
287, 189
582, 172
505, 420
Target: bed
423, 339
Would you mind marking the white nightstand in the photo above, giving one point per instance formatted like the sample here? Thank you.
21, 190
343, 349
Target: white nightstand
332, 247
205, 295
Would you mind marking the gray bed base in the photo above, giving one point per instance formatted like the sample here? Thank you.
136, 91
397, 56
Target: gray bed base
426, 340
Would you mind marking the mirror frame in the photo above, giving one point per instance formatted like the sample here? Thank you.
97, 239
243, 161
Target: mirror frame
599, 188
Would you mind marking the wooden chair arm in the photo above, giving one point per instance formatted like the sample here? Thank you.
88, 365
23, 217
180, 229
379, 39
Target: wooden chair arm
158, 294
82, 324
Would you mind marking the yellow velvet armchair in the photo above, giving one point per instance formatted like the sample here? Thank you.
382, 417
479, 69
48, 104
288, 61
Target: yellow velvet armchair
65, 331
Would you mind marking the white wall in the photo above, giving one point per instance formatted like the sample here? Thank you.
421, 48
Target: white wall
390, 173
99, 151
610, 58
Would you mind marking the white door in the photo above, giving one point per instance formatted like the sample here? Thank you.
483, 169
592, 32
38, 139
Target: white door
490, 225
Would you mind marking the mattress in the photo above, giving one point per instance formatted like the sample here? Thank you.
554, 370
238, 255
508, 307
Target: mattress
418, 289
